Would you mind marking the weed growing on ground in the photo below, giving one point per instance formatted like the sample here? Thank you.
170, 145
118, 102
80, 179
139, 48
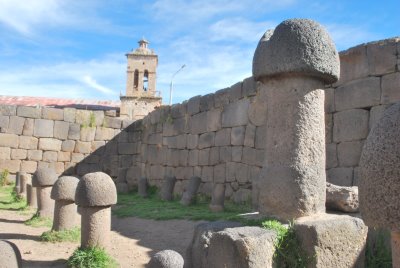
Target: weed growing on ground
378, 255
9, 200
91, 258
4, 177
37, 221
133, 205
71, 235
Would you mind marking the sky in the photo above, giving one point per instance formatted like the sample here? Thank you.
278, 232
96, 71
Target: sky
76, 49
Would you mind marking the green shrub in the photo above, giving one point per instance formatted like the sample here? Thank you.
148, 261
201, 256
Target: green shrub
71, 235
10, 200
37, 221
4, 177
91, 258
378, 254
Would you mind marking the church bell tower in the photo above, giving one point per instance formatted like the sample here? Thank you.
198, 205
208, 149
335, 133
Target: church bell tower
141, 96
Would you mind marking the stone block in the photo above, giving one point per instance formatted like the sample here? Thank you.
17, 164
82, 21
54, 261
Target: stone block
249, 155
68, 146
52, 113
28, 127
223, 137
198, 123
26, 142
328, 128
8, 110
375, 114
192, 141
214, 156
225, 154
217, 197
5, 153
350, 125
4, 121
171, 142
193, 105
112, 122
361, 93
341, 198
69, 115
104, 133
30, 112
204, 156
50, 156
206, 102
221, 98
207, 175
199, 248
61, 130
183, 157
261, 137
28, 166
19, 154
258, 112
206, 140
249, 137
13, 166
43, 128
329, 100
331, 155
219, 173
235, 92
112, 113
193, 158
332, 240
342, 176
98, 147
155, 139
242, 196
16, 125
99, 118
177, 110
9, 140
390, 88
247, 247
349, 153
237, 135
237, 152
214, 120
82, 117
64, 156
127, 148
77, 157
235, 114
177, 126
382, 57
49, 144
353, 64
87, 133
82, 147
249, 87
35, 155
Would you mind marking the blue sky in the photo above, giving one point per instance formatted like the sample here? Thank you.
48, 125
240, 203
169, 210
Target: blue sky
76, 49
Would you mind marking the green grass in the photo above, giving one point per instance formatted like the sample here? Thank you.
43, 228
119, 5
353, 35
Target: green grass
91, 258
37, 221
9, 200
378, 255
4, 177
133, 205
71, 235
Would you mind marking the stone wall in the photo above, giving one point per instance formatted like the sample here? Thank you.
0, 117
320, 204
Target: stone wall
31, 137
219, 137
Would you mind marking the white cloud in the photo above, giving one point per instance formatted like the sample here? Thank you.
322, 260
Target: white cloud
88, 80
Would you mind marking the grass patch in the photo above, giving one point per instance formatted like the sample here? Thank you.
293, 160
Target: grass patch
71, 235
91, 258
133, 205
288, 251
37, 221
9, 200
377, 254
4, 177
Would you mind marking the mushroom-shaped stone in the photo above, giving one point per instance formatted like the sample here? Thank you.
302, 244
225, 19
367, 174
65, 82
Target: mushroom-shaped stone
166, 259
65, 210
95, 194
10, 257
379, 187
293, 63
298, 46
43, 179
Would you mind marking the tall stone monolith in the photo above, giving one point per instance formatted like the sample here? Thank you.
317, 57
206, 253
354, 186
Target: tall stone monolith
379, 186
293, 64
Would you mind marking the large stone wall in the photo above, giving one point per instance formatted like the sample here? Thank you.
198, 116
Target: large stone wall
219, 137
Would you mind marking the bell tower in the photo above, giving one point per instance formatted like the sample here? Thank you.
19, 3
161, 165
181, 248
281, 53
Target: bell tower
141, 95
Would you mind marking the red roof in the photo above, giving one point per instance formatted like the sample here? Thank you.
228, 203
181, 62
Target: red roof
60, 103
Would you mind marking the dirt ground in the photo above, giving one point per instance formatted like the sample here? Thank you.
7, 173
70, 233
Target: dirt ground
133, 240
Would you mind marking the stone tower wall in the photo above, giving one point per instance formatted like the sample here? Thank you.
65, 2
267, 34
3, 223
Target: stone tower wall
219, 137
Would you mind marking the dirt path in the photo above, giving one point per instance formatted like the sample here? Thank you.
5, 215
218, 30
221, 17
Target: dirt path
133, 240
